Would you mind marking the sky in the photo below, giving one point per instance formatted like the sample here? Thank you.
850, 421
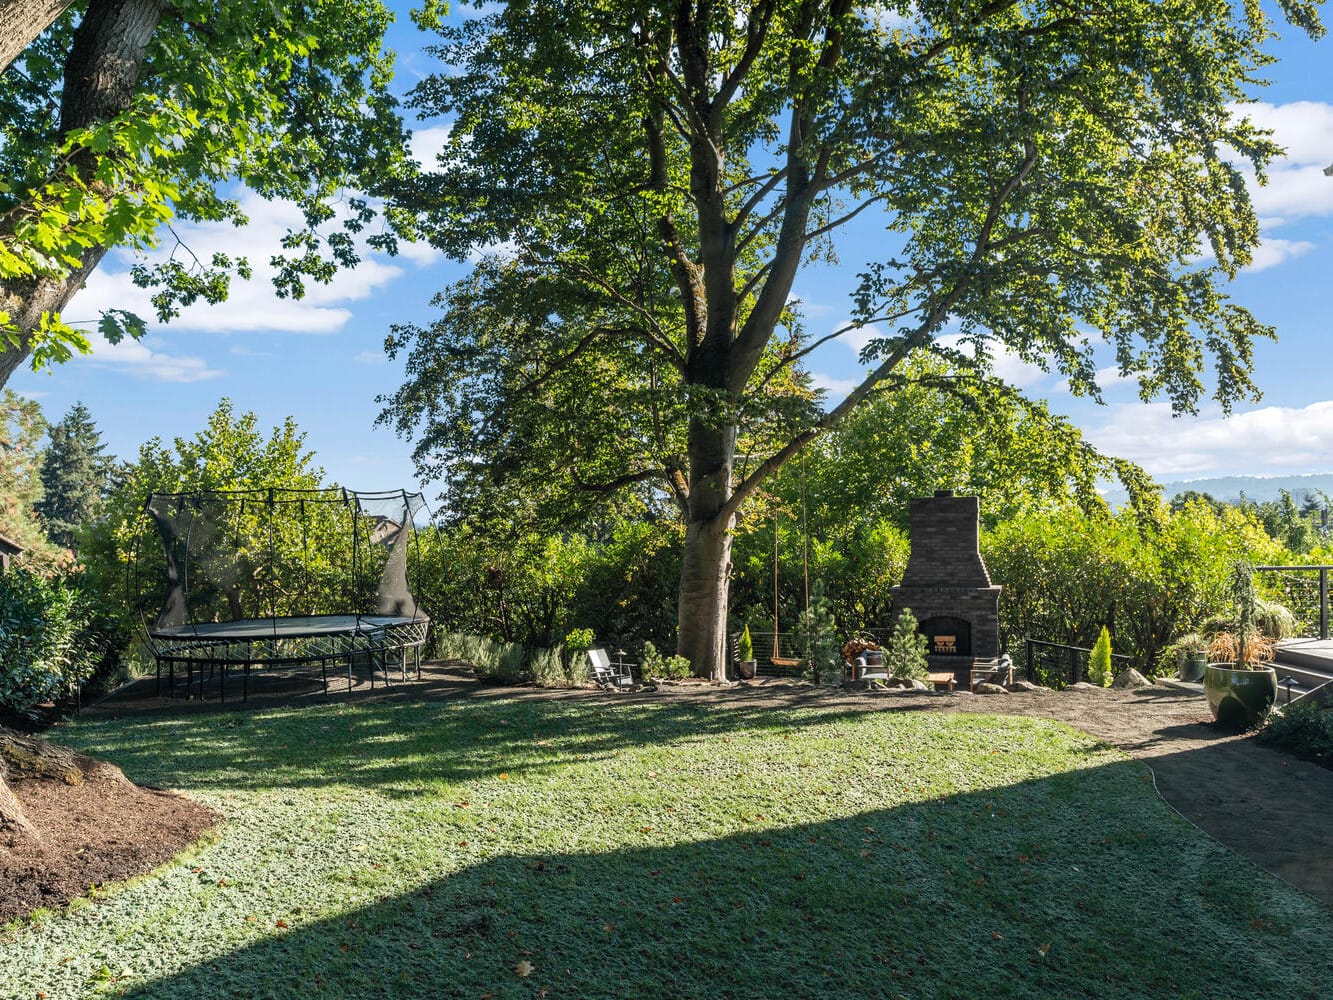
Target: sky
321, 360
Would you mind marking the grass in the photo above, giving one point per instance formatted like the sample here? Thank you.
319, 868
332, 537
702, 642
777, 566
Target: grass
589, 847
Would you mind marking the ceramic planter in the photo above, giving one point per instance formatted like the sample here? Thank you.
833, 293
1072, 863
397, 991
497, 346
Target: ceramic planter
745, 669
1239, 698
1192, 666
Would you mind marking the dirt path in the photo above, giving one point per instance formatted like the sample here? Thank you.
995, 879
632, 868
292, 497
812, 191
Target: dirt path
1274, 809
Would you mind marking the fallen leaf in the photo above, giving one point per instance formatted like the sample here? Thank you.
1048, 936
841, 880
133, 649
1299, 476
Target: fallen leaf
1044, 949
997, 935
645, 829
524, 968
504, 776
283, 923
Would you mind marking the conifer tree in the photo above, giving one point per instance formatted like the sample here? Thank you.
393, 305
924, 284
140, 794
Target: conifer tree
74, 476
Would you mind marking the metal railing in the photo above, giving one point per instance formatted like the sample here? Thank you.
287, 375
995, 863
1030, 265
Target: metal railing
1291, 597
1063, 651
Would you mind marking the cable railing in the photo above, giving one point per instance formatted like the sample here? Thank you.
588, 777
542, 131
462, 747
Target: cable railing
1066, 659
1307, 599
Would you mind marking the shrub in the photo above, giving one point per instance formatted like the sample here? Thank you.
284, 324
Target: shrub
1303, 728
816, 636
906, 655
1099, 660
745, 645
547, 666
670, 668
45, 648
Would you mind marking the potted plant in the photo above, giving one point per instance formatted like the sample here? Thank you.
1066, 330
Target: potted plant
1240, 685
745, 661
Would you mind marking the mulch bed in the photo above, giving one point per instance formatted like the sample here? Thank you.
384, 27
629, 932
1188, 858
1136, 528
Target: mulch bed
102, 830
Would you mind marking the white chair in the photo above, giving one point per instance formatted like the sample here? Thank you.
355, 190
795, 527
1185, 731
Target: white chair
607, 674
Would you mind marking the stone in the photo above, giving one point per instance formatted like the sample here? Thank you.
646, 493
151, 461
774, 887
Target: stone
986, 687
1085, 686
914, 684
1029, 687
1130, 678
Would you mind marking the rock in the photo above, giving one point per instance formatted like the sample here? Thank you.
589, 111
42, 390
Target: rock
914, 684
986, 687
1028, 686
1084, 686
1130, 678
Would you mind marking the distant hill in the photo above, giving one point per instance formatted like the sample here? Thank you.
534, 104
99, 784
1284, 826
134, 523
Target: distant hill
1257, 488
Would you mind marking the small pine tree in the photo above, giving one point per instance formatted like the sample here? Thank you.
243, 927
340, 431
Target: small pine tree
906, 654
745, 645
816, 636
1099, 660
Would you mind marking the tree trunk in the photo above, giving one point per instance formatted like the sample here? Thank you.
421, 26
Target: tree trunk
101, 77
21, 21
705, 574
32, 757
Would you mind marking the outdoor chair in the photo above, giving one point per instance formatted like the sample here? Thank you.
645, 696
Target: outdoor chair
998, 671
606, 674
869, 666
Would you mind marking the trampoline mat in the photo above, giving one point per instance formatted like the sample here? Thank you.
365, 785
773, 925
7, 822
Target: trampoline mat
296, 627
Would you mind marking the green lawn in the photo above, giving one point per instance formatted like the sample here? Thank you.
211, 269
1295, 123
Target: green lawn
616, 849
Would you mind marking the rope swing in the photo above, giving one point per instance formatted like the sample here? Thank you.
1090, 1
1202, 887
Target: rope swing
778, 660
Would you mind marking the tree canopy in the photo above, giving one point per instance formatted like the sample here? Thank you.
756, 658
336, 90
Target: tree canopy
652, 177
125, 115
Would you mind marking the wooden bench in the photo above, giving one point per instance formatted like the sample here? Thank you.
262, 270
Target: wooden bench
999, 671
942, 679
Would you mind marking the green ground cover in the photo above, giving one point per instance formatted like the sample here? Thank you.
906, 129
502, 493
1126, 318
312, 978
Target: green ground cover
531, 847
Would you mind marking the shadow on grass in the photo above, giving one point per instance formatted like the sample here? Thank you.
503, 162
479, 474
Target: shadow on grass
1001, 893
396, 743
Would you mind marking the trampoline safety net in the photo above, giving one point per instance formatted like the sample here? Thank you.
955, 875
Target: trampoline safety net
280, 576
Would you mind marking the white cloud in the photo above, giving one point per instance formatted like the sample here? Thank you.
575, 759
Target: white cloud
1304, 128
251, 305
1271, 251
370, 358
836, 388
1268, 440
1296, 185
138, 358
427, 143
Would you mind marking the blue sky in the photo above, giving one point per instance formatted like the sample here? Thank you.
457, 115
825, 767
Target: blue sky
321, 360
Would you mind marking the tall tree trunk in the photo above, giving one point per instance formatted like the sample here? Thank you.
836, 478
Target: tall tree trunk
101, 76
21, 21
705, 573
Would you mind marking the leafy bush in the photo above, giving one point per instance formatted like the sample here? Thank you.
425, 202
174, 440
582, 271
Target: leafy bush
906, 655
1303, 728
44, 644
1100, 671
670, 668
1172, 655
548, 669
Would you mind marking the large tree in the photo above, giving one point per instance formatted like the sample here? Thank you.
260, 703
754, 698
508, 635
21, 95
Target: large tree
124, 115
653, 176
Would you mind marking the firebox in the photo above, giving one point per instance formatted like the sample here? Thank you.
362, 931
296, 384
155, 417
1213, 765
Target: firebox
946, 584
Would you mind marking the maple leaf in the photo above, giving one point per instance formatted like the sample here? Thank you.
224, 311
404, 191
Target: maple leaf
524, 968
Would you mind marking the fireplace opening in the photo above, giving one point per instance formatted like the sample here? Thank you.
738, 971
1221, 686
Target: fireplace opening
947, 636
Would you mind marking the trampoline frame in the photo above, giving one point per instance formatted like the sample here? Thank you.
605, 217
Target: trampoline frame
389, 637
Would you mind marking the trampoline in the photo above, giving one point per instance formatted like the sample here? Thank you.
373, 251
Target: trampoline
261, 579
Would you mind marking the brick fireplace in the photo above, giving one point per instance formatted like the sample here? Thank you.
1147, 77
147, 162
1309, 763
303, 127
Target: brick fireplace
946, 584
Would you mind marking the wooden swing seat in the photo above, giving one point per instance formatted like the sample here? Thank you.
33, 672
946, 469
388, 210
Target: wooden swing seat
784, 661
